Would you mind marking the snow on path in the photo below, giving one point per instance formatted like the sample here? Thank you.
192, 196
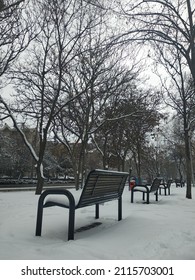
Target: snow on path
163, 230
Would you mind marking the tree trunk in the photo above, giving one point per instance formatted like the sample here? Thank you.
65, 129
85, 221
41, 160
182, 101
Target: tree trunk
191, 39
75, 172
40, 174
188, 165
77, 180
40, 180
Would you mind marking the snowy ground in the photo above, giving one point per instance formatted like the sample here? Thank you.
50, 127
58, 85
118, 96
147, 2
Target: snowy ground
163, 230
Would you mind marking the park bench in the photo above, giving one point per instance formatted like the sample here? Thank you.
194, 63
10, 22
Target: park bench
145, 189
165, 186
100, 186
179, 183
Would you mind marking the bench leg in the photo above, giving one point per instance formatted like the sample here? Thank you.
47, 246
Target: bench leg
132, 193
39, 216
148, 197
71, 223
97, 211
39, 222
120, 209
156, 194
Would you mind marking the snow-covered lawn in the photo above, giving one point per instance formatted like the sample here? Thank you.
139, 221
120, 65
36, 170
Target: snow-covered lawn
163, 230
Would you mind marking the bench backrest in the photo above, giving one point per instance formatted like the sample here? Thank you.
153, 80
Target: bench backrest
102, 186
155, 184
169, 182
179, 183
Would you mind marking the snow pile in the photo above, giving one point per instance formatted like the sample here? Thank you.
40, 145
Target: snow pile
161, 230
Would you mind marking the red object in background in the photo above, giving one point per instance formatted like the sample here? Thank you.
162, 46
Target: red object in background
132, 183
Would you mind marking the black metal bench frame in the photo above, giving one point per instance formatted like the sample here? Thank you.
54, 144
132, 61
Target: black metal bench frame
179, 183
144, 189
100, 186
165, 187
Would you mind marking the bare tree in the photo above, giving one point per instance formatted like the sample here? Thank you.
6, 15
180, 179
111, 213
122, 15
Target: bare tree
14, 30
168, 24
164, 22
95, 77
10, 5
131, 116
40, 76
178, 91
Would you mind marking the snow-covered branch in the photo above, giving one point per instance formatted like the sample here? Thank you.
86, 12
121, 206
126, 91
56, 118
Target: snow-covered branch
27, 143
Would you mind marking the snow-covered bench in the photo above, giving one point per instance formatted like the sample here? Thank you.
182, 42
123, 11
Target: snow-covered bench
165, 186
144, 189
179, 183
100, 186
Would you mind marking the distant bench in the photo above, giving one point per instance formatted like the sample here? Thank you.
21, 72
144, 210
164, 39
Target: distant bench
100, 186
144, 189
179, 183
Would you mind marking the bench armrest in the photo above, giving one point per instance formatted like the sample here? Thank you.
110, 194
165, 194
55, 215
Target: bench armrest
51, 202
60, 197
141, 188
